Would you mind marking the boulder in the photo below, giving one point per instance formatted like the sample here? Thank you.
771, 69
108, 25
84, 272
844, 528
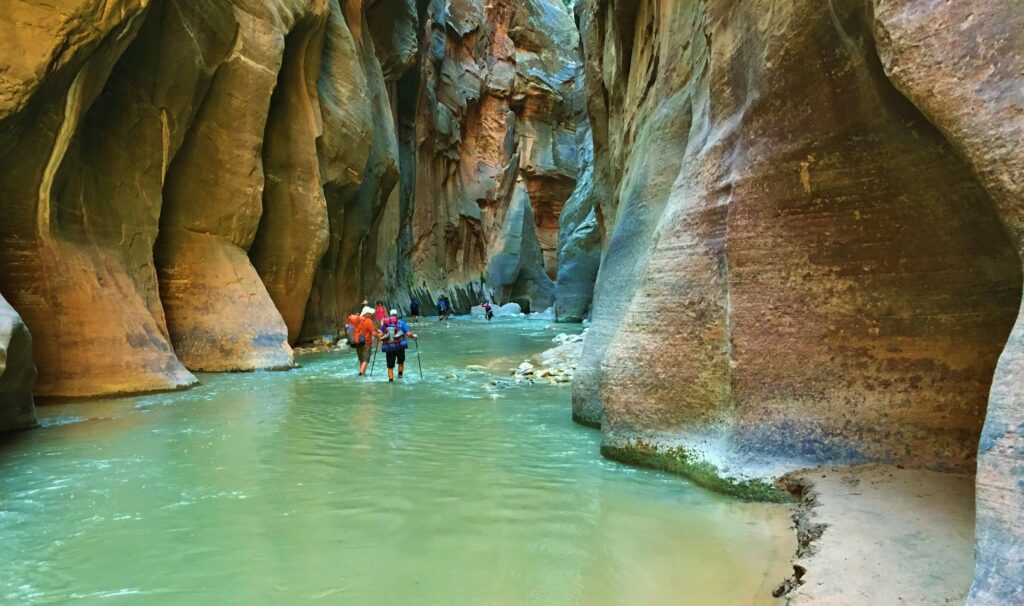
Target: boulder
17, 372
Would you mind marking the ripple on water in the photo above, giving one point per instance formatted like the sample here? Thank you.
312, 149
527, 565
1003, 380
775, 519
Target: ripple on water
315, 485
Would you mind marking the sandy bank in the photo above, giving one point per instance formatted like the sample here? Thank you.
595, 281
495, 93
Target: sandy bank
877, 534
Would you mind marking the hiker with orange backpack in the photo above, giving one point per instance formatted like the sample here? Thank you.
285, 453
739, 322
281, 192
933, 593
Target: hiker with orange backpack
361, 333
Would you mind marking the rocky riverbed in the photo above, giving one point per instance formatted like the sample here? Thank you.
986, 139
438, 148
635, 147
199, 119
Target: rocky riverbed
556, 365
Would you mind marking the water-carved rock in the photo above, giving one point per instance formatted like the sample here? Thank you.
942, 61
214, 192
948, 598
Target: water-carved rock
812, 200
83, 147
17, 372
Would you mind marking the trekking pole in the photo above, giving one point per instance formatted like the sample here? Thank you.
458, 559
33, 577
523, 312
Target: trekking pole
418, 360
374, 362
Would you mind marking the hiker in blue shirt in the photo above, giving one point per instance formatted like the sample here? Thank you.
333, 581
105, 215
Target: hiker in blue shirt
394, 338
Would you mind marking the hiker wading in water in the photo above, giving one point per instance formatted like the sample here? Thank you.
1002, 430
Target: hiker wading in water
394, 338
363, 334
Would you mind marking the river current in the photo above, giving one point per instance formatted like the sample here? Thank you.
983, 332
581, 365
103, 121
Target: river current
316, 486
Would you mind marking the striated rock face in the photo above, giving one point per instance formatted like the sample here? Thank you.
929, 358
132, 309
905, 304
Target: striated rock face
806, 256
219, 311
837, 280
358, 183
17, 372
580, 233
962, 65
81, 151
494, 121
196, 185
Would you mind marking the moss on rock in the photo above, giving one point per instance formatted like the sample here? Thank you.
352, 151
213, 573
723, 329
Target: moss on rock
681, 461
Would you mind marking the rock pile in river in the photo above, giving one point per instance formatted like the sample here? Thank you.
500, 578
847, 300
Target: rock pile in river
556, 365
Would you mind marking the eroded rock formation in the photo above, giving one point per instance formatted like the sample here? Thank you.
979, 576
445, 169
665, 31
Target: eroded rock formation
190, 185
17, 372
494, 122
80, 196
811, 243
580, 234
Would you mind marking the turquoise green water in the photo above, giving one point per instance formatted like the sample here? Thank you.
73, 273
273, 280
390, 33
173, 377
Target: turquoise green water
315, 486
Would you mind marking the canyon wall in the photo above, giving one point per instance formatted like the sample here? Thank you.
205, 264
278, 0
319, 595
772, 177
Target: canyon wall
491, 144
812, 244
196, 186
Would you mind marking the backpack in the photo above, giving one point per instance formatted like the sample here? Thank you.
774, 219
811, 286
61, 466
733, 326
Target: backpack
390, 327
350, 331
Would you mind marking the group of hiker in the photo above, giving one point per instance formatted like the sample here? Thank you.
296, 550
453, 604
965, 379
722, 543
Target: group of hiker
376, 324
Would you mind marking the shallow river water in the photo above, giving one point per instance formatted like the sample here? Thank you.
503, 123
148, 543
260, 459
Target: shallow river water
315, 486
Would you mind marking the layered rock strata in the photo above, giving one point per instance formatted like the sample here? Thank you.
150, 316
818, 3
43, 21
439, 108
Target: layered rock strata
812, 244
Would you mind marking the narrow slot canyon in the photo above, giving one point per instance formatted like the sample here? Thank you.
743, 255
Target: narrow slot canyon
701, 301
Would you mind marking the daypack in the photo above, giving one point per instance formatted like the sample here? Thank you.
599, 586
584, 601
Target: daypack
350, 331
391, 329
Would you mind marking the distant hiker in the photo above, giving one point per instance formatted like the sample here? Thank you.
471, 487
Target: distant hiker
414, 309
442, 308
362, 336
381, 312
488, 311
394, 338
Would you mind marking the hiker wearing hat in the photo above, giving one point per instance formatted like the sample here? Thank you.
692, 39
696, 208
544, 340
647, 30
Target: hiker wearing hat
394, 337
364, 334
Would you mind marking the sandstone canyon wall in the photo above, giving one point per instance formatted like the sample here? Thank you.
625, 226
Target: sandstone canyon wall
192, 185
493, 132
811, 244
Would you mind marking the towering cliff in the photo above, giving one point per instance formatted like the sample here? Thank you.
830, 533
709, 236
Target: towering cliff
492, 148
811, 243
190, 185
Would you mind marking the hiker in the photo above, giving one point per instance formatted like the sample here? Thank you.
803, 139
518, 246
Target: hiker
414, 310
381, 313
394, 337
361, 335
442, 308
488, 310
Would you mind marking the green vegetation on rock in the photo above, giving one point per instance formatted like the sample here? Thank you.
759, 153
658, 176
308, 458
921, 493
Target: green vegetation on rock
702, 473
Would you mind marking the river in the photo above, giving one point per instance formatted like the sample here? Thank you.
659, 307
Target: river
316, 486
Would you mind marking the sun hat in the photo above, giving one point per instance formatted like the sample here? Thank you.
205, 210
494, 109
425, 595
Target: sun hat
394, 312
366, 310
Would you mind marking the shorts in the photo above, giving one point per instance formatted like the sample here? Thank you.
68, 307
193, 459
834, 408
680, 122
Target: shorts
363, 351
395, 355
